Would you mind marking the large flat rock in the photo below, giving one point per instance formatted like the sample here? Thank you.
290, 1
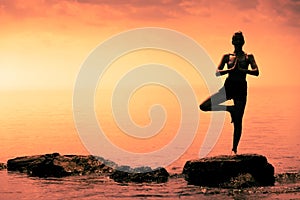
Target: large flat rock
244, 170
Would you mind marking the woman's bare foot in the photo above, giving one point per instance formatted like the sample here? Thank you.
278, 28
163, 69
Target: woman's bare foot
234, 151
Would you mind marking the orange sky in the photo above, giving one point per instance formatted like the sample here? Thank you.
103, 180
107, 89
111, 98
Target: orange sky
44, 42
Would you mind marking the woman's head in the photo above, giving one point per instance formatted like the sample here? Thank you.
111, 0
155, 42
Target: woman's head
238, 39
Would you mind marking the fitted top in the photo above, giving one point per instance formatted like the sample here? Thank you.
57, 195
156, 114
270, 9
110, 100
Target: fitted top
240, 61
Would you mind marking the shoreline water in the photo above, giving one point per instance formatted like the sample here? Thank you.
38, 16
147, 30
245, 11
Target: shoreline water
287, 186
90, 187
34, 123
42, 122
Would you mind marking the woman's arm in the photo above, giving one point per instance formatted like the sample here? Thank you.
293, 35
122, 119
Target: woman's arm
220, 70
254, 68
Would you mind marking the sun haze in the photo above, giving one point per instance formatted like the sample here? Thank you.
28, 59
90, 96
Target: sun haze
43, 43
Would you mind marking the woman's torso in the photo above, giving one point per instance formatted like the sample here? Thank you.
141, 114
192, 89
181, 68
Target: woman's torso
242, 62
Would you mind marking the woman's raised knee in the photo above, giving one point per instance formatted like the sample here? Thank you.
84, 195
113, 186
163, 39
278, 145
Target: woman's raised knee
204, 107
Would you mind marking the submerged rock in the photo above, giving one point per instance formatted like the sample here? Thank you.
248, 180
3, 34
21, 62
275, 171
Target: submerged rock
236, 171
56, 165
2, 166
126, 174
287, 178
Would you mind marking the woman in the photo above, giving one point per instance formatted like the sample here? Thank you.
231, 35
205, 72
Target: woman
235, 85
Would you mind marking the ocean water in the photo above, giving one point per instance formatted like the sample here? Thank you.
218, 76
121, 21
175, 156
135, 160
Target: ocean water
38, 122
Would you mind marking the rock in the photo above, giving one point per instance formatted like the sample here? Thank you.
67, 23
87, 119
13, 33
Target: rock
126, 174
236, 171
287, 178
2, 166
56, 165
241, 181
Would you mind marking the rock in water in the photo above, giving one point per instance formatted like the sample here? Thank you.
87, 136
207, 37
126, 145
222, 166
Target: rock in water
2, 166
56, 165
126, 174
230, 171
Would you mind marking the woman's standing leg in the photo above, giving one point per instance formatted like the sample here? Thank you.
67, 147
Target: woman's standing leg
238, 112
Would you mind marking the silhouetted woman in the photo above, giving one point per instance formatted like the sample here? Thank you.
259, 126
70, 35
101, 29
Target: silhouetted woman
235, 85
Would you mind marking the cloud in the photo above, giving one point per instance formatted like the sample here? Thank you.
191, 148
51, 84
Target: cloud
244, 5
283, 12
134, 3
24, 9
142, 10
291, 11
103, 9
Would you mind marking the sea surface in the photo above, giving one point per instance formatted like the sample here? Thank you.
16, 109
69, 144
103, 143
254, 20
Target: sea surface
38, 122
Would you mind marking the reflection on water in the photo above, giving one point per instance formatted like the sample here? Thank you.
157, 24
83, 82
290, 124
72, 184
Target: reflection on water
17, 186
37, 122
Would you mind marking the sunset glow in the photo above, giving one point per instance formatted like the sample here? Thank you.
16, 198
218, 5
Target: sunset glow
99, 87
43, 43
